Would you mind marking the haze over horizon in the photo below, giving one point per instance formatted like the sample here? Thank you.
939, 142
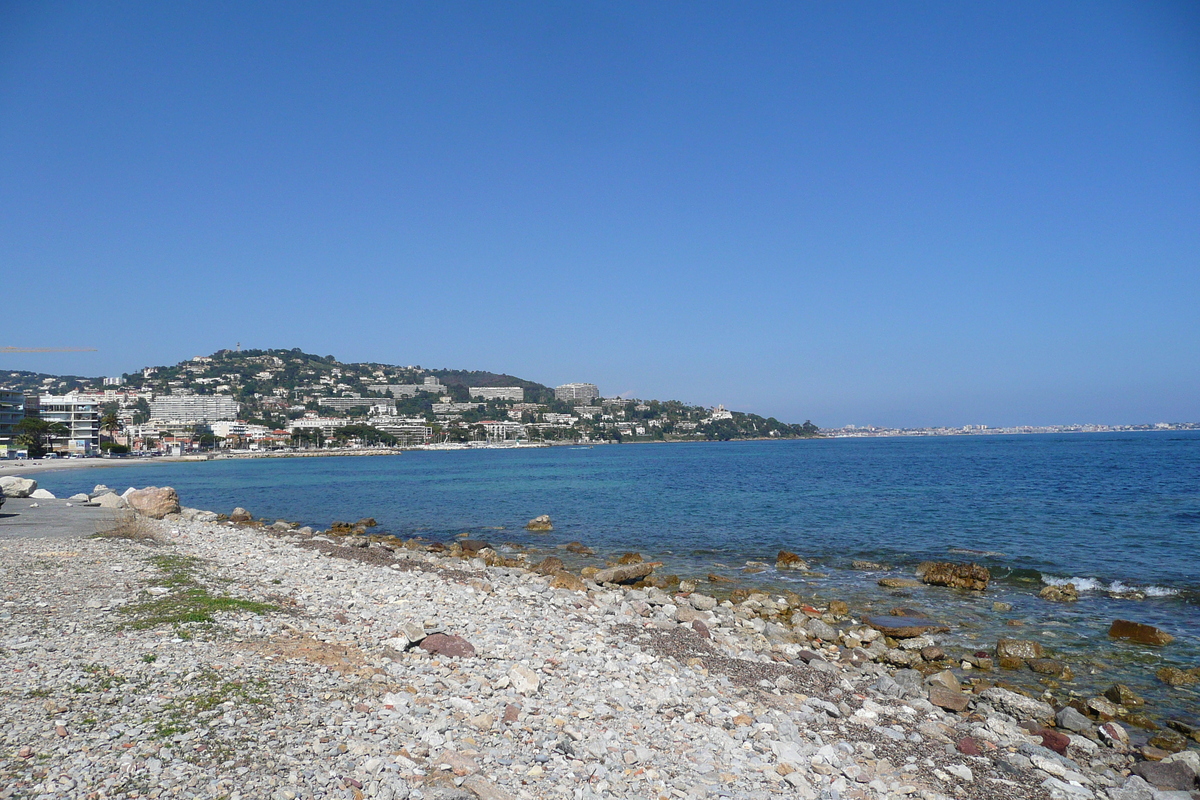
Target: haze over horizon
896, 216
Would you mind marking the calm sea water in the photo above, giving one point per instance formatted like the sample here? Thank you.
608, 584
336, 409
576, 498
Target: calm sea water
1107, 510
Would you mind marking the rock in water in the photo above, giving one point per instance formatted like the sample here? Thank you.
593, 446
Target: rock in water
899, 583
1137, 632
956, 576
154, 502
12, 486
1067, 593
904, 627
1121, 694
786, 560
1018, 648
540, 523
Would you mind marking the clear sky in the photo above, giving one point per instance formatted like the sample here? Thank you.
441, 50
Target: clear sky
867, 213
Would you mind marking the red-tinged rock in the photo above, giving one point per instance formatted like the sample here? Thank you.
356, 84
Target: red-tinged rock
1052, 739
60, 730
441, 644
25, 752
1139, 633
512, 712
357, 784
1114, 734
362, 708
969, 747
700, 628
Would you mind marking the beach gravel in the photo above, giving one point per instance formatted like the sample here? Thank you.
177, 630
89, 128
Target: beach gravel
207, 659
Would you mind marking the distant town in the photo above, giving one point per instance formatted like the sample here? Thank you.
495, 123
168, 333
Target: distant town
278, 400
256, 400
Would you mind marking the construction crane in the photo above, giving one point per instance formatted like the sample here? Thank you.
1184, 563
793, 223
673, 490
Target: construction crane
47, 349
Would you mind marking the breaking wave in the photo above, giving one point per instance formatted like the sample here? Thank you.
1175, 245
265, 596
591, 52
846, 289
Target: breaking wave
1115, 587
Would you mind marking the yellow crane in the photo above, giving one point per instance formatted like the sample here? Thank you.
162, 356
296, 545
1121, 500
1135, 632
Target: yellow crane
47, 349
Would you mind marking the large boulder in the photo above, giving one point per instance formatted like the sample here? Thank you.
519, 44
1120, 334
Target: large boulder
42, 494
1137, 632
154, 501
12, 486
627, 573
111, 500
956, 576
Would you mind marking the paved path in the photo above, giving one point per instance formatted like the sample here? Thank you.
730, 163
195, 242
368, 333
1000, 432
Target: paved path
52, 518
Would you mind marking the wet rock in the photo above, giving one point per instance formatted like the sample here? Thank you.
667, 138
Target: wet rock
578, 548
627, 573
240, 514
954, 575
540, 524
1067, 593
442, 644
630, 558
12, 486
904, 627
1122, 695
1102, 708
1018, 648
867, 565
715, 578
549, 566
786, 560
1173, 676
933, 653
153, 501
1170, 776
1138, 632
470, 547
838, 608
366, 522
899, 583
1171, 741
1018, 705
1051, 666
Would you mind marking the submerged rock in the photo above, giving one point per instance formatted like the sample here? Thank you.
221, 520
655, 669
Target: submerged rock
904, 627
1067, 593
786, 560
1018, 648
1139, 632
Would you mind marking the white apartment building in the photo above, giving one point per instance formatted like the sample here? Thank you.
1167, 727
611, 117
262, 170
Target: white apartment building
455, 408
194, 407
431, 384
326, 425
503, 429
355, 401
80, 416
407, 430
563, 420
573, 392
498, 393
119, 381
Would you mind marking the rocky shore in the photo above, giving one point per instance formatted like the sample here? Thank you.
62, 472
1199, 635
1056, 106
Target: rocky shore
206, 655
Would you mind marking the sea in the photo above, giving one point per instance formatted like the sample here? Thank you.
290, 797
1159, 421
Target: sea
1117, 514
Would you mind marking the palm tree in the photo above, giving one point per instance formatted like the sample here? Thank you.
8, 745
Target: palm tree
112, 423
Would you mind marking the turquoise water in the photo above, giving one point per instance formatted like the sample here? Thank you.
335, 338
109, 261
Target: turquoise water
1112, 511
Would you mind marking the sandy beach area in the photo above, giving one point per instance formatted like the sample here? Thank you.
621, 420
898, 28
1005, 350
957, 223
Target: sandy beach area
195, 657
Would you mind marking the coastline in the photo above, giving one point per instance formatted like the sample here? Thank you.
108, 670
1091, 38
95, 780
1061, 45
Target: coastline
317, 683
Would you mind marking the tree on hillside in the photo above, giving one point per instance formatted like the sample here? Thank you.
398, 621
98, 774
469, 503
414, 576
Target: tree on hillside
37, 435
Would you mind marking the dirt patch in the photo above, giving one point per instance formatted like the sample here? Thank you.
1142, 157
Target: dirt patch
345, 659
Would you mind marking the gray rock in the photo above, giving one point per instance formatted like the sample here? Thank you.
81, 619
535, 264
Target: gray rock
821, 630
1018, 705
1134, 788
12, 486
1072, 720
79, 498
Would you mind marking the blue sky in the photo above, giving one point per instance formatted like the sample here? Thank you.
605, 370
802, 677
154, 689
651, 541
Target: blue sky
899, 214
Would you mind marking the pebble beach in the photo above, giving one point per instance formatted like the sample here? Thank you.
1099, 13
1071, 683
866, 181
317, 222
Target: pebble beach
200, 655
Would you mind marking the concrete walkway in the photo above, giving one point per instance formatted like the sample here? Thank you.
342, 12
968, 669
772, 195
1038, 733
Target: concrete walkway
55, 519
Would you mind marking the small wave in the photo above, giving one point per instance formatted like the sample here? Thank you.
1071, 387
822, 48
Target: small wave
1115, 587
969, 552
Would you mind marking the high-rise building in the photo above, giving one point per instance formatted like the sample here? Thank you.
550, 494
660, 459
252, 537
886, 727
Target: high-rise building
80, 416
498, 393
576, 392
12, 411
194, 407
